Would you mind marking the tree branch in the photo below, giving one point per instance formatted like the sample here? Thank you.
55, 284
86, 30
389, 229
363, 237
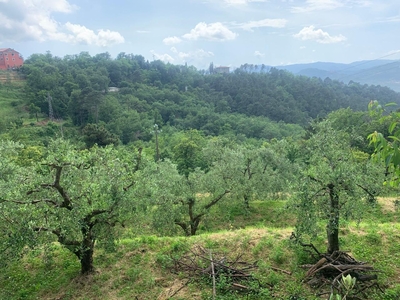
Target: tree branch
94, 213
215, 201
67, 203
61, 238
371, 195
139, 160
48, 201
183, 225
129, 186
316, 180
136, 168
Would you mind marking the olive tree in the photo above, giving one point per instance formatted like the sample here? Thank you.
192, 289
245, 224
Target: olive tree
15, 232
253, 171
334, 183
179, 200
76, 196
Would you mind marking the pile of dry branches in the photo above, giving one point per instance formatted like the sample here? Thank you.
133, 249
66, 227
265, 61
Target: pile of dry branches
200, 262
331, 268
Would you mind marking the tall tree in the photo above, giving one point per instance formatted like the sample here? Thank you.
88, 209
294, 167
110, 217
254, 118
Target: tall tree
94, 134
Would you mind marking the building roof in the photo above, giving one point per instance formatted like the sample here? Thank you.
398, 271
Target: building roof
5, 49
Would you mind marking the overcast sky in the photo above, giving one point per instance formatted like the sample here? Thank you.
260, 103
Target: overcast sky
226, 32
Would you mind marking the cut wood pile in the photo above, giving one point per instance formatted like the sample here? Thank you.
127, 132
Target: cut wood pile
327, 275
224, 272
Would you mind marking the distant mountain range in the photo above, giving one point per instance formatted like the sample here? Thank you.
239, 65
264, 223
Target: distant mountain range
372, 72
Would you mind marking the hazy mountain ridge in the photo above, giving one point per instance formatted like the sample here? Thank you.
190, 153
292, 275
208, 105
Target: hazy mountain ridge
373, 72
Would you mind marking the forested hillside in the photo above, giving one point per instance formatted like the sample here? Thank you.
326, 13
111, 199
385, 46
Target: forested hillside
377, 72
372, 72
270, 105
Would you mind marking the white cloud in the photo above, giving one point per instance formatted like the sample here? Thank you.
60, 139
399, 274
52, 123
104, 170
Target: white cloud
102, 38
171, 40
259, 54
163, 57
242, 2
393, 19
362, 3
23, 20
276, 23
53, 5
318, 35
393, 52
195, 55
312, 5
213, 31
390, 53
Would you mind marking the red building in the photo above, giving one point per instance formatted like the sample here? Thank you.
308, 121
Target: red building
10, 59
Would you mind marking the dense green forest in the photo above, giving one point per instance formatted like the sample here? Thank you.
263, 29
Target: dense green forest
275, 104
96, 151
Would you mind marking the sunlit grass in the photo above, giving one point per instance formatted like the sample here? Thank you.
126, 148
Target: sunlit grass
11, 100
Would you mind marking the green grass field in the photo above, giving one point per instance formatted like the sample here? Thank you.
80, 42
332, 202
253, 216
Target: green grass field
12, 101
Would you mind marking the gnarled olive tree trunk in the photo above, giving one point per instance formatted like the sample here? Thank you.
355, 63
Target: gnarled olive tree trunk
332, 228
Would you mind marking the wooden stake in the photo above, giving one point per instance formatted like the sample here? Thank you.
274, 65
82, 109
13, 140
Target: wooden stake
213, 276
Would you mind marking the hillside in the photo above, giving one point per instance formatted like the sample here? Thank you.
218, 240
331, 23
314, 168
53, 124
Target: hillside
7, 77
378, 72
343, 69
386, 74
268, 105
12, 101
